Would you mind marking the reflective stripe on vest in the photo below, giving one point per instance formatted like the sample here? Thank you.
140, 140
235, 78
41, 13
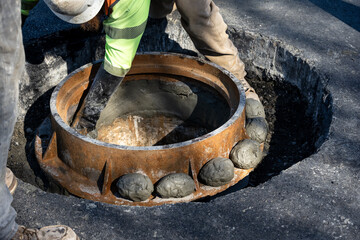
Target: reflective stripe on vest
125, 33
124, 29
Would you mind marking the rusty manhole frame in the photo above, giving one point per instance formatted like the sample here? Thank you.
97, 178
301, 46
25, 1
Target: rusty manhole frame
65, 141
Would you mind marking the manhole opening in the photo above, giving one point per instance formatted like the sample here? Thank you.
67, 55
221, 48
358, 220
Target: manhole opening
159, 112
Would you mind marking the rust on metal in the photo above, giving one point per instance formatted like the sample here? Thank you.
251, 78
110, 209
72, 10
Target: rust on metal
89, 168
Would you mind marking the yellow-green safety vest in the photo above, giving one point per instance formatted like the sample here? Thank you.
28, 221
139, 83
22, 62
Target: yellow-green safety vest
124, 29
27, 5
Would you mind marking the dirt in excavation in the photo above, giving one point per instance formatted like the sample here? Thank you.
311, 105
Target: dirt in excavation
289, 140
290, 137
21, 158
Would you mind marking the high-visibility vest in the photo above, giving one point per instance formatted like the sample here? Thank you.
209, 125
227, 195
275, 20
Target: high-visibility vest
124, 28
27, 5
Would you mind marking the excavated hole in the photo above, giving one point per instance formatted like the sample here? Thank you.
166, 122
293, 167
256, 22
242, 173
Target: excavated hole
297, 105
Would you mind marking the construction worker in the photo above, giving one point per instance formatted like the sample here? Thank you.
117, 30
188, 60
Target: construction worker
124, 25
12, 63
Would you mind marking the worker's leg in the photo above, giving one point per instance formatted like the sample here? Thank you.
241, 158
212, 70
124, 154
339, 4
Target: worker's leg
11, 67
161, 8
207, 29
12, 62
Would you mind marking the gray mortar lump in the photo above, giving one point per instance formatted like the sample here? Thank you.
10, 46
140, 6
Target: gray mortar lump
254, 108
246, 154
257, 129
135, 186
217, 172
175, 185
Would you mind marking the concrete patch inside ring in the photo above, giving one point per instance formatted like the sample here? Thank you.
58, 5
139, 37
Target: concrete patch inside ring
153, 112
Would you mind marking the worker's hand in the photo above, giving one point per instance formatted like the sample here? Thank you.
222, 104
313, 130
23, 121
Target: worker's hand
103, 86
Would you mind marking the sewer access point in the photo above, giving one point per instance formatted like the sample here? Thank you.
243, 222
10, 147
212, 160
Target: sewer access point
172, 118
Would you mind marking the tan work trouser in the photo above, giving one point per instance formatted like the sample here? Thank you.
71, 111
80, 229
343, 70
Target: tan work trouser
202, 21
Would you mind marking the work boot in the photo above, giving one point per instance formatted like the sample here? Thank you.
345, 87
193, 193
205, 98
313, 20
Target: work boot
56, 232
10, 180
102, 88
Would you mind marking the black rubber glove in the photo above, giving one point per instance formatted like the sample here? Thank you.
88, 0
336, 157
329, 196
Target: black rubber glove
103, 86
